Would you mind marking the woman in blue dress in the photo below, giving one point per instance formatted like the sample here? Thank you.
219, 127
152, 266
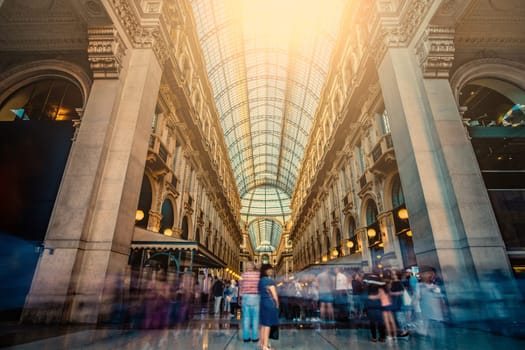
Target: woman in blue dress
269, 310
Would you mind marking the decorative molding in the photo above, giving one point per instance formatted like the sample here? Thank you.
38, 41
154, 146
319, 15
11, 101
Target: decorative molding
436, 51
151, 38
398, 31
481, 40
142, 37
105, 52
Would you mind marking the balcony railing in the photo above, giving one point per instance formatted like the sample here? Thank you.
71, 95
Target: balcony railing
383, 156
157, 156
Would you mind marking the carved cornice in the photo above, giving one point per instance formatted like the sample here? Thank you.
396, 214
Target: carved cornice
482, 40
105, 51
142, 37
435, 52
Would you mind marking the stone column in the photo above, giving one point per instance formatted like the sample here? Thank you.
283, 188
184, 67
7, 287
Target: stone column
450, 214
154, 221
92, 223
362, 241
391, 257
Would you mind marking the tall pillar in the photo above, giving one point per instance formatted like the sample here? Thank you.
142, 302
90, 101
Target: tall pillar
451, 218
391, 255
362, 241
92, 222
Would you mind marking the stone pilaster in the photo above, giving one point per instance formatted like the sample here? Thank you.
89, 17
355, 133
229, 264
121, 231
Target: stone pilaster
453, 225
362, 241
154, 221
92, 223
385, 226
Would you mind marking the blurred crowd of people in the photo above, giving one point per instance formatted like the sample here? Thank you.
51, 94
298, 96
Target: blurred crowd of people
393, 304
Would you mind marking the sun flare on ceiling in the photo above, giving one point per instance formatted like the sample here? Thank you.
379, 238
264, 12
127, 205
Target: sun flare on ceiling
267, 61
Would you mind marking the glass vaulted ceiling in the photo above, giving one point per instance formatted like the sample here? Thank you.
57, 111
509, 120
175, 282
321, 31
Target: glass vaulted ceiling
267, 61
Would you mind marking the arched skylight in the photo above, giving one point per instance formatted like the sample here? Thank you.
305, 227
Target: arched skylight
267, 61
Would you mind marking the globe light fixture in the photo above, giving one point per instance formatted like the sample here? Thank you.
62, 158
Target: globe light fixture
335, 252
409, 233
402, 214
350, 244
168, 232
371, 233
139, 215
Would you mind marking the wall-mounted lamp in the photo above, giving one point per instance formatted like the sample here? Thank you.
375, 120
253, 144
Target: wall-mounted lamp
139, 215
402, 214
324, 258
371, 232
350, 244
409, 233
335, 252
168, 232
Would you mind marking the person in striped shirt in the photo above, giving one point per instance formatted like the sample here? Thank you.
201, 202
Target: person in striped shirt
250, 299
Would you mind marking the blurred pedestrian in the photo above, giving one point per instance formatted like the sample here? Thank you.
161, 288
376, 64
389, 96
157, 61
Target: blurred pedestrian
234, 297
326, 294
217, 290
341, 294
374, 310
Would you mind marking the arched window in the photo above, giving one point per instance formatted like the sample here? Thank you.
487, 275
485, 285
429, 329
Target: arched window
397, 193
198, 235
351, 227
53, 99
338, 237
144, 205
185, 228
167, 215
371, 212
35, 138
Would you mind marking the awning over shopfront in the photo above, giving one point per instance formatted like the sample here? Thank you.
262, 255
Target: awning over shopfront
189, 252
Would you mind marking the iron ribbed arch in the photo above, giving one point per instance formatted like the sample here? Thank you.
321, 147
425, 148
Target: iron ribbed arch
267, 87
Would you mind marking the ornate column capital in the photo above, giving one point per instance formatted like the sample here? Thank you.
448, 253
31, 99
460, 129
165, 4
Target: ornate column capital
151, 38
148, 36
435, 51
397, 24
105, 51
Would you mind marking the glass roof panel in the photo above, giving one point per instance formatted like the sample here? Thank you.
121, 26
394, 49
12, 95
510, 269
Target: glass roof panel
267, 61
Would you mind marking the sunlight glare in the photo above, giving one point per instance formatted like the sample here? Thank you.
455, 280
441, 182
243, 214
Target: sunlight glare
276, 22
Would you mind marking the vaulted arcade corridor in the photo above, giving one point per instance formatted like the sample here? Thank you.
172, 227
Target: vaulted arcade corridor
183, 139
